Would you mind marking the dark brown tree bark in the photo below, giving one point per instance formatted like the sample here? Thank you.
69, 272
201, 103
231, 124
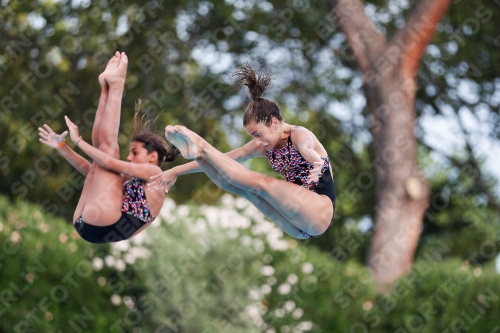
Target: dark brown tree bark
389, 69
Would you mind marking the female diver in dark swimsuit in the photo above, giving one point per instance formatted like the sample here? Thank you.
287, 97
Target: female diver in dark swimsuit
113, 205
304, 204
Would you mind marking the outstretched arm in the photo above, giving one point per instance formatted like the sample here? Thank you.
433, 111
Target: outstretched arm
167, 179
56, 141
248, 151
76, 160
135, 170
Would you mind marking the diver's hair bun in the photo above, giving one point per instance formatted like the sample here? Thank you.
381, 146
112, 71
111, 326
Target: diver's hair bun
145, 132
255, 82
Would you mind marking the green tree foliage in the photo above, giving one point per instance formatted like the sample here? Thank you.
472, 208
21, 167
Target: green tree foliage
166, 47
221, 268
181, 57
458, 76
225, 268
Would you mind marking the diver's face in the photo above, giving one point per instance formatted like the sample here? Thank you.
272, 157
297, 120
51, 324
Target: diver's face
139, 154
264, 136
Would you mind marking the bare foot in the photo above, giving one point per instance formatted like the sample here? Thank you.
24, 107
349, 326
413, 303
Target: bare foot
193, 140
177, 139
118, 74
112, 64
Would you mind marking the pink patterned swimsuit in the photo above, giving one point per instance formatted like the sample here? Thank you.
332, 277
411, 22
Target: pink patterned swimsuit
289, 163
135, 202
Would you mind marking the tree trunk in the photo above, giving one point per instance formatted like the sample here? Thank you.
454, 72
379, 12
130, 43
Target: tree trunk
402, 193
389, 70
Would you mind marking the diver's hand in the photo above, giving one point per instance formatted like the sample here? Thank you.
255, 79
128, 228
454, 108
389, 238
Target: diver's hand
162, 181
49, 137
314, 173
73, 130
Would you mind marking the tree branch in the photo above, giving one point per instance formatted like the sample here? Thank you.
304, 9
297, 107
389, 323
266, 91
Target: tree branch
417, 33
479, 180
362, 35
472, 161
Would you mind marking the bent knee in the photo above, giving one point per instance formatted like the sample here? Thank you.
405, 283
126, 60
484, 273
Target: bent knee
318, 228
321, 225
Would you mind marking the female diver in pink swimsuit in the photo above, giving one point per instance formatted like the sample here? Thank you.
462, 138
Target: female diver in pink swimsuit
113, 205
303, 205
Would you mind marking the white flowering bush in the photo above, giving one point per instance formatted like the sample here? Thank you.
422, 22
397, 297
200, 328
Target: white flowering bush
226, 268
222, 268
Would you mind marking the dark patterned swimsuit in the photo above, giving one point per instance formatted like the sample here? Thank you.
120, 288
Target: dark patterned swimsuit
289, 163
135, 214
135, 202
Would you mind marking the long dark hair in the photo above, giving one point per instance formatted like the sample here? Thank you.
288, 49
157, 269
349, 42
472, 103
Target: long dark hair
143, 132
260, 109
